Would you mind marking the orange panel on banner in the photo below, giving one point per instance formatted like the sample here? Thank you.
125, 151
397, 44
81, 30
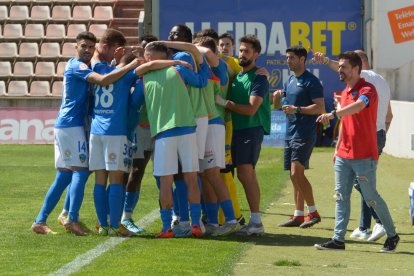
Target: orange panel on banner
402, 24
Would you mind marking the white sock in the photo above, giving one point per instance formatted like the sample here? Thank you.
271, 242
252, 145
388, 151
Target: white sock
126, 215
311, 209
64, 213
299, 213
255, 218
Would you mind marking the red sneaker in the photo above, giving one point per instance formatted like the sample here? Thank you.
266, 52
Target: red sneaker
311, 219
196, 231
294, 221
165, 235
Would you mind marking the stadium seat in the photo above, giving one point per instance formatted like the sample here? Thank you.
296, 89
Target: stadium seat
50, 50
17, 88
34, 31
82, 13
5, 69
23, 69
39, 88
103, 13
45, 69
61, 13
55, 31
57, 89
40, 13
19, 13
2, 88
75, 29
98, 29
4, 15
61, 68
68, 50
8, 50
28, 50
12, 31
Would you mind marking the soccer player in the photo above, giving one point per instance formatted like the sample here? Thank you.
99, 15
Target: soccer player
172, 123
142, 151
182, 33
71, 152
226, 51
111, 152
215, 191
304, 101
250, 107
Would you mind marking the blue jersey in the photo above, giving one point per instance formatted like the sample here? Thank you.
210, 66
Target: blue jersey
221, 72
74, 108
111, 103
301, 91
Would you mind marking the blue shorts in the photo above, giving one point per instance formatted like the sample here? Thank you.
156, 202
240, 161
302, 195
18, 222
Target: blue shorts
246, 145
298, 150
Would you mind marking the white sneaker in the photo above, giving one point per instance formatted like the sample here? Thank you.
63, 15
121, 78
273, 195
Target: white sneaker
377, 232
227, 229
358, 234
252, 229
182, 230
210, 229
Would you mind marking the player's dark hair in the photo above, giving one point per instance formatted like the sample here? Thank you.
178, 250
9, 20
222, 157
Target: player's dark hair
353, 58
209, 33
147, 38
208, 42
185, 32
86, 36
158, 47
228, 36
112, 37
298, 50
252, 40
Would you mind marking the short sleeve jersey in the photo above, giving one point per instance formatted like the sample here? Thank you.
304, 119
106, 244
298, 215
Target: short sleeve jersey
245, 85
359, 135
74, 105
111, 103
301, 91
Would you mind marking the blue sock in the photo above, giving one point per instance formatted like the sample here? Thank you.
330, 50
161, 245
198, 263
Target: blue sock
66, 205
115, 204
212, 212
227, 207
101, 204
195, 213
108, 189
62, 180
131, 199
157, 181
77, 190
166, 218
182, 195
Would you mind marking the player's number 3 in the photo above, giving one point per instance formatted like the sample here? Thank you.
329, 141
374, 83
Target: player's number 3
106, 99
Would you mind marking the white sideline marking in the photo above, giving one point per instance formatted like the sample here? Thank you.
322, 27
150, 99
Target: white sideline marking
88, 257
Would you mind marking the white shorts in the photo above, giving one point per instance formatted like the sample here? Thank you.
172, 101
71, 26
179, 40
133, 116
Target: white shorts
144, 142
214, 155
110, 152
71, 147
201, 133
171, 149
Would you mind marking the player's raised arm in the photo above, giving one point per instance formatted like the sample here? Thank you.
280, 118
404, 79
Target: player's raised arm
112, 77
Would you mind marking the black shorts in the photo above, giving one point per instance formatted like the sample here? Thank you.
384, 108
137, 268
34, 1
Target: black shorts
246, 145
298, 150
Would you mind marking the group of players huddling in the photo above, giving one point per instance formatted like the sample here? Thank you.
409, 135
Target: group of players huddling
165, 99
